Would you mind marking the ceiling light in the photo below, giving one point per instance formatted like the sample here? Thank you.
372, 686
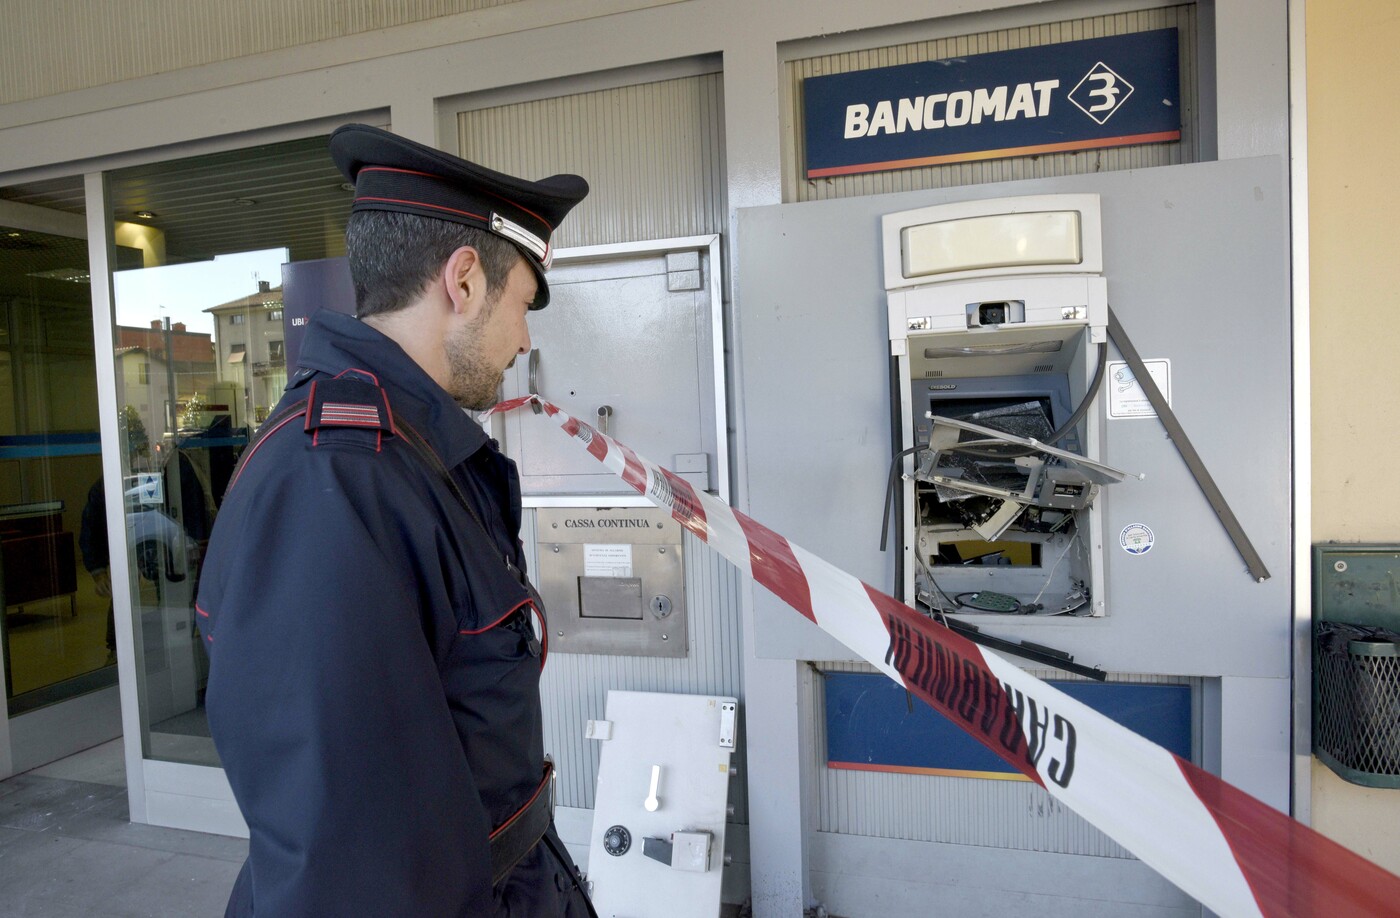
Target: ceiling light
244, 202
71, 275
145, 215
347, 186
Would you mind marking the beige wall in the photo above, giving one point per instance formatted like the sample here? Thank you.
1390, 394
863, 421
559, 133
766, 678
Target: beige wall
1354, 180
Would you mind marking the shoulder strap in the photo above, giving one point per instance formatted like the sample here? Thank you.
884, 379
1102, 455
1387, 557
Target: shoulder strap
352, 401
345, 403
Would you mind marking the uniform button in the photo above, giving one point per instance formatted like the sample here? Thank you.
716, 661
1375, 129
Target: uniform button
561, 882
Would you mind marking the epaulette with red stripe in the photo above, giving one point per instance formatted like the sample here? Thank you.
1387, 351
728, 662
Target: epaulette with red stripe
351, 408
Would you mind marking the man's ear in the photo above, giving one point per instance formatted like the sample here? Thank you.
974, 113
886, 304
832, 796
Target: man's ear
465, 282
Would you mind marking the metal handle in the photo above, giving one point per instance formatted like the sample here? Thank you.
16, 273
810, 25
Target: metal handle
652, 803
534, 372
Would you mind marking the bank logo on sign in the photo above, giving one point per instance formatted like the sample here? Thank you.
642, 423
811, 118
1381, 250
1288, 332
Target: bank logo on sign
1101, 93
1019, 102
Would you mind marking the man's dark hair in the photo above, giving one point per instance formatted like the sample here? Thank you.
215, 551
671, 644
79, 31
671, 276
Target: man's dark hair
393, 256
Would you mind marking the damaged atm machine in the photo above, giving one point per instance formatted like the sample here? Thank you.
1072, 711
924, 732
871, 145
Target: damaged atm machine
946, 393
999, 326
641, 686
1000, 335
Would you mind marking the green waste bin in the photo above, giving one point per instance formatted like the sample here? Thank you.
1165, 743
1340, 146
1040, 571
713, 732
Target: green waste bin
1356, 702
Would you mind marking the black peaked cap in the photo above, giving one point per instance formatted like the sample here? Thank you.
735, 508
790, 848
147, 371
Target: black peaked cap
397, 174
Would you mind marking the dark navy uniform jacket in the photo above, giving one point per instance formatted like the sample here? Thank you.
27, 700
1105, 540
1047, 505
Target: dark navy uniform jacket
374, 677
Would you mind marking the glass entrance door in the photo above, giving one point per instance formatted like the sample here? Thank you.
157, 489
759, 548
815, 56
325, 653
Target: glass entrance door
198, 344
57, 644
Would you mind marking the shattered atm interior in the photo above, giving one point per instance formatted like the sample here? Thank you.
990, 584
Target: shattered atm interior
998, 330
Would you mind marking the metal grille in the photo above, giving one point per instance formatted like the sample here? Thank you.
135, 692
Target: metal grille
1356, 702
652, 152
798, 188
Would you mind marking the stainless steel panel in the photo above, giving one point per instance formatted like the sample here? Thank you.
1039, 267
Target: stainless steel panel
654, 155
611, 597
613, 581
798, 188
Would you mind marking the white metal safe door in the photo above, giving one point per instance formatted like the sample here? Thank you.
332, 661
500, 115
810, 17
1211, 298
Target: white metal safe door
628, 344
663, 788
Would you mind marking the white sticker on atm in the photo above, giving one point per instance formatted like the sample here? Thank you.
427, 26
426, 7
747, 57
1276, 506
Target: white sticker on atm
1136, 539
1126, 398
607, 560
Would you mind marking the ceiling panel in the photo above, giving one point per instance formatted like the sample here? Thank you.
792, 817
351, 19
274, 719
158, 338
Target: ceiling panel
287, 194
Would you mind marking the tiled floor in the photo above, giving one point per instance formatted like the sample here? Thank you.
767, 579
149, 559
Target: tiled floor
67, 849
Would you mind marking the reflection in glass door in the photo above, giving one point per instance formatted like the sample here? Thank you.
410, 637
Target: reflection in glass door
54, 624
199, 363
56, 629
193, 374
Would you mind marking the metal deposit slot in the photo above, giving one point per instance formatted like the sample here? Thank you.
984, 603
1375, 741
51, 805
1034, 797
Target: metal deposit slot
612, 580
610, 597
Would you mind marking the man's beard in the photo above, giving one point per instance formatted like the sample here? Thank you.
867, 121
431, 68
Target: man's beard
473, 382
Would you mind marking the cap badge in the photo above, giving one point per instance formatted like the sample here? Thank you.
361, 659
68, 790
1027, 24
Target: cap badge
521, 237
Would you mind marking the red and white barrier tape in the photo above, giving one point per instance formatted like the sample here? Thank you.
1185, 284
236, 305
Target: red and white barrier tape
1236, 855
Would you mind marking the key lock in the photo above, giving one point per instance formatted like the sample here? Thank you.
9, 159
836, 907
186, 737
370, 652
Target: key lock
604, 411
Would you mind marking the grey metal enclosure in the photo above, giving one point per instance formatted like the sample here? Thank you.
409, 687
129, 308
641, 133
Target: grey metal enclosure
1195, 261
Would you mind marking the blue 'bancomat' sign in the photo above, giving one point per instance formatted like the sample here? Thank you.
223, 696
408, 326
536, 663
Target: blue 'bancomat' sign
1099, 92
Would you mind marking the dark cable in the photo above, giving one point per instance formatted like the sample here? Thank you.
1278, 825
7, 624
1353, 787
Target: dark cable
896, 438
889, 492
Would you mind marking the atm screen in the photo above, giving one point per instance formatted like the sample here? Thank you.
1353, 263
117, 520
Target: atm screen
1027, 405
1023, 416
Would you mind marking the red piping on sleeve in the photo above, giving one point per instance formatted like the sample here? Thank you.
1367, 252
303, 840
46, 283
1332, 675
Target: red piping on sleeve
513, 609
310, 400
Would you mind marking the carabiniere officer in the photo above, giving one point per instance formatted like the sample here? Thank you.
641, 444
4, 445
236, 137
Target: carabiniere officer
374, 659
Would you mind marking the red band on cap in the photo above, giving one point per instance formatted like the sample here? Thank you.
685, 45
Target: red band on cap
439, 178
519, 207
450, 210
401, 171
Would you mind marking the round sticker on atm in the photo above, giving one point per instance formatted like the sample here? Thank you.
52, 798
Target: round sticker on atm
1136, 539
